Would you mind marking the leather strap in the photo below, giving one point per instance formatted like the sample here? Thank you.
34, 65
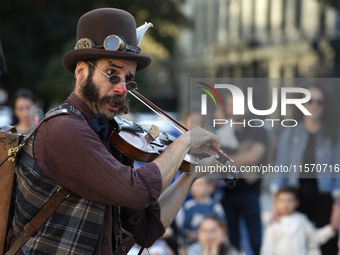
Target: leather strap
33, 226
48, 116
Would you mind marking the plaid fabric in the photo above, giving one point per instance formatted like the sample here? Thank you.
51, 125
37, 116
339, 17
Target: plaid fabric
72, 229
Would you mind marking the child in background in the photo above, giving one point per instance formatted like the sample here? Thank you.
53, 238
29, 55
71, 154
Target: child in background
200, 205
292, 233
212, 239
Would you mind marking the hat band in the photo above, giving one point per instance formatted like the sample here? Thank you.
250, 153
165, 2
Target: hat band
111, 42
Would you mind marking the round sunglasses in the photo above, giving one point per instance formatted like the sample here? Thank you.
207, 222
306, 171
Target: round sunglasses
115, 79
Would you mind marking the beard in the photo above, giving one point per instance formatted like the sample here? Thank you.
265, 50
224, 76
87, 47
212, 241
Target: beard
90, 93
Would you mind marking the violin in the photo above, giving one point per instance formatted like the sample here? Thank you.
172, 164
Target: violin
144, 146
141, 145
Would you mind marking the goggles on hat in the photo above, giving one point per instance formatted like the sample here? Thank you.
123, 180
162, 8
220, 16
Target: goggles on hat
111, 42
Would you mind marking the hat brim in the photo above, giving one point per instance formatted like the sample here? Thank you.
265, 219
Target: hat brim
71, 58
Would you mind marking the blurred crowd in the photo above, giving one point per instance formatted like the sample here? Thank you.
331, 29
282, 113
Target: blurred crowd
304, 212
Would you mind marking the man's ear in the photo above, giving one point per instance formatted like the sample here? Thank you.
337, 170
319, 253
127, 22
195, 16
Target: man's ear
81, 72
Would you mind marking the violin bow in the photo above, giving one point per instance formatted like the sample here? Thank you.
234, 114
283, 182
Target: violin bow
167, 117
223, 158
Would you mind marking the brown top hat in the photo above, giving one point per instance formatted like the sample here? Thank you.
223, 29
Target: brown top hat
96, 26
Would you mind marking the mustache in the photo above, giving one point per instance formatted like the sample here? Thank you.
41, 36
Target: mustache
91, 93
122, 101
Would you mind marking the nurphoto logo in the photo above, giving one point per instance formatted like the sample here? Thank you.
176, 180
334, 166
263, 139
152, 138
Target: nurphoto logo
240, 102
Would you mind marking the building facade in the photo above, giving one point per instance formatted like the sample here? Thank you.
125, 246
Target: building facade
256, 38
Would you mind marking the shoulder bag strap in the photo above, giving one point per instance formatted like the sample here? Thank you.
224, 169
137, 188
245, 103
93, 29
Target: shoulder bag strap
48, 116
33, 226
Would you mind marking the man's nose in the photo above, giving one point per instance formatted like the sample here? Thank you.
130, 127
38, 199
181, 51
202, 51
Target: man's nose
120, 88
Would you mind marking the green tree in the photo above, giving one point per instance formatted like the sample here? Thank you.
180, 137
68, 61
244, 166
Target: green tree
36, 34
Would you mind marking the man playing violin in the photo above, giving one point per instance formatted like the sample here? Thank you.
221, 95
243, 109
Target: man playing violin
72, 151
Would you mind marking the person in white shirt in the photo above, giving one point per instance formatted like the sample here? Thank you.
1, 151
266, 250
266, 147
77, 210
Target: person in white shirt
291, 232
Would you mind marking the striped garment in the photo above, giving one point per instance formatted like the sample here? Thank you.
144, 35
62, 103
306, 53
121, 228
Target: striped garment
72, 229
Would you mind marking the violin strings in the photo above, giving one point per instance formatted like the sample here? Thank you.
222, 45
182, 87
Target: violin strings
160, 115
